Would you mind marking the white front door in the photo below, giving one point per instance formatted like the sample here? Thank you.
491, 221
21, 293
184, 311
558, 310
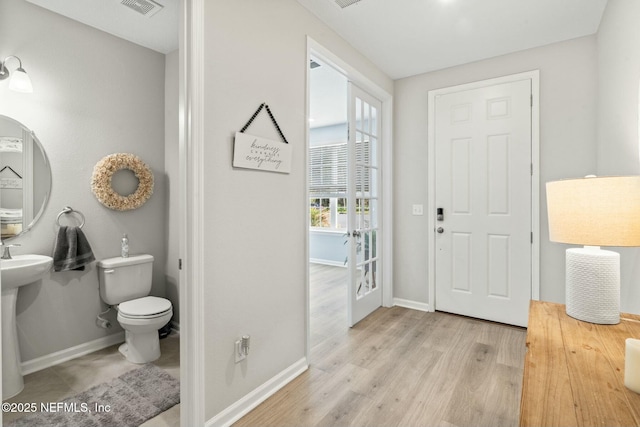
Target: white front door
483, 186
363, 204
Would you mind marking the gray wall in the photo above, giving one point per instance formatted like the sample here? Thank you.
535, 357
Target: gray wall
94, 95
618, 100
255, 222
567, 148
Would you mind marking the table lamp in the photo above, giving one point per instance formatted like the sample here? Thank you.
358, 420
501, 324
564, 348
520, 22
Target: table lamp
594, 211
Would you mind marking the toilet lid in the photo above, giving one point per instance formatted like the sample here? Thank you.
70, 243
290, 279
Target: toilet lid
145, 306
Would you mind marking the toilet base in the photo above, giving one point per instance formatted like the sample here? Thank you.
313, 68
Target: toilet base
141, 347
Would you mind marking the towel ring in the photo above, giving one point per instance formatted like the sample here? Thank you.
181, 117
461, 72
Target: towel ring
68, 210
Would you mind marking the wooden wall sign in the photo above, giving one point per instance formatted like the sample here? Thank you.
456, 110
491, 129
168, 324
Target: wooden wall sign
254, 152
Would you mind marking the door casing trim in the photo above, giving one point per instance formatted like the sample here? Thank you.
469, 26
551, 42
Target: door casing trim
534, 76
191, 212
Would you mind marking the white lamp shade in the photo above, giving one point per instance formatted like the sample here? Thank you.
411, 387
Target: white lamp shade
602, 211
20, 81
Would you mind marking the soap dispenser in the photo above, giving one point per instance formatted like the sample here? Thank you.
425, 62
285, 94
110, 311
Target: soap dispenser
125, 246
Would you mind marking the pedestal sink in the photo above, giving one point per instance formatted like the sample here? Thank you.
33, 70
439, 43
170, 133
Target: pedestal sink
16, 272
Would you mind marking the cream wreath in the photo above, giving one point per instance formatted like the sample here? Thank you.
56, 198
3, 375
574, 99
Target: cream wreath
103, 172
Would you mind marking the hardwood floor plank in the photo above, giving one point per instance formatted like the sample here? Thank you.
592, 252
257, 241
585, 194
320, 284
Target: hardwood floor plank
396, 390
511, 345
304, 402
398, 367
346, 411
504, 393
437, 386
469, 397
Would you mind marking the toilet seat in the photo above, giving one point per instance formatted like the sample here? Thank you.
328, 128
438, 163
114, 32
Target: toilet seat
144, 308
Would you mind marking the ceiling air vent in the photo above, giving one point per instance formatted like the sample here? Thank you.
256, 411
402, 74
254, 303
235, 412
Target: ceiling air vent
147, 8
345, 3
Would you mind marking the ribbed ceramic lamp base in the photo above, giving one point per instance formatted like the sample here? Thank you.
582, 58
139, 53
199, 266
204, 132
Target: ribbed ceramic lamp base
593, 285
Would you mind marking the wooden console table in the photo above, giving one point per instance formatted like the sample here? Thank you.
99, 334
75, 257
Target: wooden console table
574, 371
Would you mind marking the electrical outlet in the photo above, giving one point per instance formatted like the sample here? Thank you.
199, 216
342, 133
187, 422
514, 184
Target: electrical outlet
240, 356
417, 210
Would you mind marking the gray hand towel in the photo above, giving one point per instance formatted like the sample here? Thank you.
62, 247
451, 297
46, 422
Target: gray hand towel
72, 250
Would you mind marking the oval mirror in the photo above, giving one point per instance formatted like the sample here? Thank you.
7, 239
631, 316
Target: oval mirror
25, 178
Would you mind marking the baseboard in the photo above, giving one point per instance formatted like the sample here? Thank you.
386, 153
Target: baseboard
61, 356
237, 410
411, 304
327, 262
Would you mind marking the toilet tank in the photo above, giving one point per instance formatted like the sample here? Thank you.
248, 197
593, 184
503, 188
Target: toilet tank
124, 279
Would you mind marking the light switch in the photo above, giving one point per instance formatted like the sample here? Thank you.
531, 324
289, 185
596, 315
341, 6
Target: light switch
418, 210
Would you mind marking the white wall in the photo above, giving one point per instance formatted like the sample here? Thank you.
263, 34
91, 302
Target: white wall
618, 139
567, 148
255, 222
94, 95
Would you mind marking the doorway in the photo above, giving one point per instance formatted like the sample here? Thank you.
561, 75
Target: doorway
350, 74
484, 198
327, 194
344, 166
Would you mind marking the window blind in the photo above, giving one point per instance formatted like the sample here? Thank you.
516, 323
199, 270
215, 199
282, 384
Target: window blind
328, 169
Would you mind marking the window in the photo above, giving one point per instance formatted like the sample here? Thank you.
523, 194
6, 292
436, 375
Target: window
328, 213
328, 186
328, 183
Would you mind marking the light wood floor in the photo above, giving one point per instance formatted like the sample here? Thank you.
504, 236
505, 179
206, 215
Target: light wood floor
398, 367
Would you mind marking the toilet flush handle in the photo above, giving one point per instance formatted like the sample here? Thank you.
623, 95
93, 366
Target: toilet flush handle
109, 271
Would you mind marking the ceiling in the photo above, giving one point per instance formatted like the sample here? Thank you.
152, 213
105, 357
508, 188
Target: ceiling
328, 97
401, 37
409, 37
158, 32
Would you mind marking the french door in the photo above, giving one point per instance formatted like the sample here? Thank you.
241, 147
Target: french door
364, 203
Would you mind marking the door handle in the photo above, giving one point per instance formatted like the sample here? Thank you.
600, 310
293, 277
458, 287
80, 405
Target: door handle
440, 230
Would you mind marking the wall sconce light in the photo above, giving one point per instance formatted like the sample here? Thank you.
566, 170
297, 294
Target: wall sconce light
20, 81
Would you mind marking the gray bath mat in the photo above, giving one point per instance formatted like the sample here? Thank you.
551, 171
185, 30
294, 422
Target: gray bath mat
133, 398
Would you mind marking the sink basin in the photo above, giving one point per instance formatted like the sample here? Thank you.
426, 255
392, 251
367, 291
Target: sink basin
23, 269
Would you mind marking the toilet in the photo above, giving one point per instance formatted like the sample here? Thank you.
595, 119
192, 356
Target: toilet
125, 283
